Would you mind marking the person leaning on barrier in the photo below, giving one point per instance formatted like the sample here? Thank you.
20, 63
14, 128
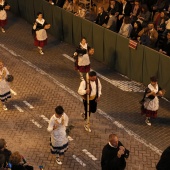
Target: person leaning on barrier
164, 163
114, 154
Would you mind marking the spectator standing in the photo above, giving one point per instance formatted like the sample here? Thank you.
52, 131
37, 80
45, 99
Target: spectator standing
81, 12
135, 11
2, 160
4, 151
57, 127
126, 27
16, 160
94, 92
135, 30
68, 5
3, 15
148, 36
113, 12
151, 101
39, 31
4, 86
125, 10
166, 46
102, 17
144, 16
114, 154
164, 163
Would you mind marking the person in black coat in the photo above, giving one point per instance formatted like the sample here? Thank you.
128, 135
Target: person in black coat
4, 151
114, 154
166, 47
125, 10
102, 17
136, 29
164, 163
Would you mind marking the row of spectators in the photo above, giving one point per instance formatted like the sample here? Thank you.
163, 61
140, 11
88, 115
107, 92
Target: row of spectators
147, 22
9, 160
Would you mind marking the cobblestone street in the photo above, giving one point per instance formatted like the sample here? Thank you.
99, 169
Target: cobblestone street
41, 82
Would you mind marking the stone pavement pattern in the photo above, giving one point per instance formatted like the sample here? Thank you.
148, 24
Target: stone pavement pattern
43, 92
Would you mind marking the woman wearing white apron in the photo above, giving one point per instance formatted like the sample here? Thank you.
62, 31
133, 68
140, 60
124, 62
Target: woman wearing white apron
57, 127
4, 86
151, 101
40, 35
3, 15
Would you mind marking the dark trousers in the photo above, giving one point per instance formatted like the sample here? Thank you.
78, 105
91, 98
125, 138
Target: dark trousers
92, 107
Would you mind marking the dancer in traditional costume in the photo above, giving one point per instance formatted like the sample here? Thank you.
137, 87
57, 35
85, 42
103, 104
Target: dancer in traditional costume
57, 128
4, 86
94, 92
3, 15
39, 31
151, 101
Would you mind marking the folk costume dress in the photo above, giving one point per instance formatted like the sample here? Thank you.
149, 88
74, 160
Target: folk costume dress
4, 86
59, 139
80, 51
3, 14
151, 103
40, 38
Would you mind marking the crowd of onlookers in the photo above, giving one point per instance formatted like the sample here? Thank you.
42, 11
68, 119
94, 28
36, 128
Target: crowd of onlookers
11, 160
147, 22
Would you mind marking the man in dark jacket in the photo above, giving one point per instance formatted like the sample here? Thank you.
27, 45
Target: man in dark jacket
166, 46
102, 17
114, 154
4, 151
164, 163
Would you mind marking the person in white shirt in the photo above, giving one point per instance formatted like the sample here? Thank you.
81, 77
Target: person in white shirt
94, 92
57, 127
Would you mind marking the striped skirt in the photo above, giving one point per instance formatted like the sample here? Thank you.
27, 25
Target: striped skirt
4, 97
60, 149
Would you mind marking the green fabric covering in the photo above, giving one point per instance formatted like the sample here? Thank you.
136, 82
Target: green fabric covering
150, 64
48, 12
77, 30
29, 11
14, 6
22, 8
110, 48
98, 37
87, 31
163, 74
57, 24
136, 63
67, 26
38, 7
122, 55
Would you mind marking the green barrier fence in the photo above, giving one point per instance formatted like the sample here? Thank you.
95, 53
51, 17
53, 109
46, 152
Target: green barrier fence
122, 55
57, 24
110, 48
98, 40
150, 64
14, 6
163, 74
136, 63
110, 39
